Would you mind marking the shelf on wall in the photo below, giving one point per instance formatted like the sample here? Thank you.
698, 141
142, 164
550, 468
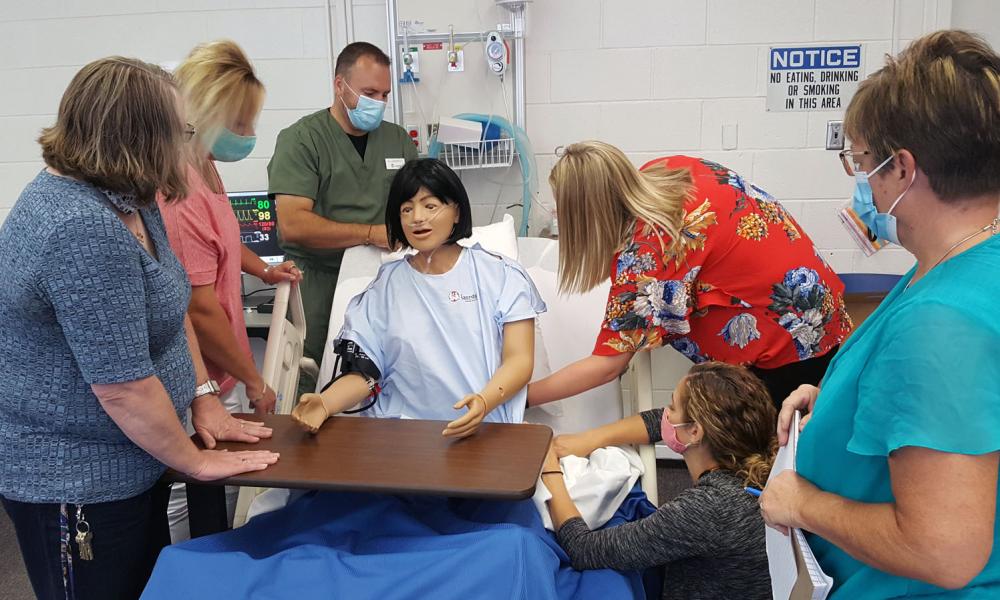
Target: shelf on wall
482, 155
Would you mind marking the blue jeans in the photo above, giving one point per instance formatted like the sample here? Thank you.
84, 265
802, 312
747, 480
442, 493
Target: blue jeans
127, 537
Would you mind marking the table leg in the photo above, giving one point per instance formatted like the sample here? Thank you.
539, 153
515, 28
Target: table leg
206, 509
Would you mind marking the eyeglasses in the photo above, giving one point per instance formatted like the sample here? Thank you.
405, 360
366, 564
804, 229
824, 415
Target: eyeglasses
847, 159
189, 132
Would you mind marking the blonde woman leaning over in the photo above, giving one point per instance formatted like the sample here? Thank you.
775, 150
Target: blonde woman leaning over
222, 98
710, 538
699, 259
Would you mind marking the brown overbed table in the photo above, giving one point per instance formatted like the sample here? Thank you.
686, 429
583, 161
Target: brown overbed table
389, 456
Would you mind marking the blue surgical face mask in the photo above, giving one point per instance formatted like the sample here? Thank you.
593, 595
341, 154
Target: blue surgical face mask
367, 115
882, 225
229, 147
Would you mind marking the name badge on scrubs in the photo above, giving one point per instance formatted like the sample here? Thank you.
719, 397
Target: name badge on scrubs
391, 164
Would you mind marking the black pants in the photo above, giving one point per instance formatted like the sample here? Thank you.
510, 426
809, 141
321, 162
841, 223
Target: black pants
127, 537
782, 381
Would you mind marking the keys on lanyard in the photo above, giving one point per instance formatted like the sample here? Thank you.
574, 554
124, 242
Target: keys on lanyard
83, 535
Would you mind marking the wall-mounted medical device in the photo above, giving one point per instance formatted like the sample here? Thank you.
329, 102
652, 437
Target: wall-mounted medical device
497, 53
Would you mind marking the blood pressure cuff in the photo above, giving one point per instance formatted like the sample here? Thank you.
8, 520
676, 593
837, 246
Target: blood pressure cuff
352, 359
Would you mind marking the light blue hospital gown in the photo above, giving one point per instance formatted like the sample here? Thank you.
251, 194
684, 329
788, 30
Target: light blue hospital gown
436, 338
922, 371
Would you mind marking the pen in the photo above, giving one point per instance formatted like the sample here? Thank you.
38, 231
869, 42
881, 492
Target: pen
753, 492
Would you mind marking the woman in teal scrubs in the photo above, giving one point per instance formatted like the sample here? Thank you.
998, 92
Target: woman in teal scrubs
897, 468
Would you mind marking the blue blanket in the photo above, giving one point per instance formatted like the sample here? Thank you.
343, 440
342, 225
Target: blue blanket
358, 546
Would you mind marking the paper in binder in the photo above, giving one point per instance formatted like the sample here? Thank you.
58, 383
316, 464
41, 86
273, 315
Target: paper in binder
795, 572
811, 583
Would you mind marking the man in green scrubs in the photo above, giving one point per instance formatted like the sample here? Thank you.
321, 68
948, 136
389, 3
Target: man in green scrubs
330, 173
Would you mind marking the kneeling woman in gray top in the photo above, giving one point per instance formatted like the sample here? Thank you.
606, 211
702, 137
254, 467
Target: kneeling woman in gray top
710, 538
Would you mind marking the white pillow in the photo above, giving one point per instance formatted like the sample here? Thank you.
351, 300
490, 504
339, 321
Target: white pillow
499, 237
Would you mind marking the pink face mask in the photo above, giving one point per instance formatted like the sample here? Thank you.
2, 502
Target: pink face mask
668, 431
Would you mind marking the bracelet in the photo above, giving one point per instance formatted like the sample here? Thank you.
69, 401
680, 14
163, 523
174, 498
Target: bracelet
368, 238
263, 392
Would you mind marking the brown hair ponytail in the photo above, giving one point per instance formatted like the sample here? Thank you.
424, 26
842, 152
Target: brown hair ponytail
735, 410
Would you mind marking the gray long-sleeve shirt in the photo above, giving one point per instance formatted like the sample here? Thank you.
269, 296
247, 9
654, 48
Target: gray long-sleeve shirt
710, 540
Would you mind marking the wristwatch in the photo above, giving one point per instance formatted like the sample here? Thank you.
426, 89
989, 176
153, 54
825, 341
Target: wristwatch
209, 387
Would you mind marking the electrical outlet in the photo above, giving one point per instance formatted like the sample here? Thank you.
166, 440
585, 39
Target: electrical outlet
834, 135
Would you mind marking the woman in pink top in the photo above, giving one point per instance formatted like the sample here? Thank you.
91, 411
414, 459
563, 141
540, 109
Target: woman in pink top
222, 99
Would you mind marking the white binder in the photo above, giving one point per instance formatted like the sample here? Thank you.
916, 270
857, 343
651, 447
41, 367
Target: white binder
795, 572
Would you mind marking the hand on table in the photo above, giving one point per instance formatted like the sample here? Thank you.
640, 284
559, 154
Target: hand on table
468, 423
213, 423
219, 464
310, 413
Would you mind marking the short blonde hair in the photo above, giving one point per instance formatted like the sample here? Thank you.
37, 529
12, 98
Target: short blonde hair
735, 410
940, 99
218, 85
118, 128
599, 195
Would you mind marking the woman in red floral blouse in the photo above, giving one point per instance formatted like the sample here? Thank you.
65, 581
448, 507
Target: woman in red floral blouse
699, 259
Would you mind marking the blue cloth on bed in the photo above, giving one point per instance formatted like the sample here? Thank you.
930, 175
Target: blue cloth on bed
347, 545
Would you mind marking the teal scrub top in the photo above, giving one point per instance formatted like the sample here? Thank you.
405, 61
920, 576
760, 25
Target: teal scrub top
923, 370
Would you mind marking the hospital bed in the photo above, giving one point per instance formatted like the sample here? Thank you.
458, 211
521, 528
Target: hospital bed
282, 363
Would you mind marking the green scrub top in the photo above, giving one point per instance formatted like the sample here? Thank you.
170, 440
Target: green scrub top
922, 371
315, 159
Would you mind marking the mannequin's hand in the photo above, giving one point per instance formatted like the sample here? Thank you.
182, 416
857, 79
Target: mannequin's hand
310, 413
468, 423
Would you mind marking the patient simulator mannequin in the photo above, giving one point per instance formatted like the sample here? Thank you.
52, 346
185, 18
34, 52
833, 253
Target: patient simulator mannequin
445, 329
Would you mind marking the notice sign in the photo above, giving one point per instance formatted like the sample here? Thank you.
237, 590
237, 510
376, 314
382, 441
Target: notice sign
812, 78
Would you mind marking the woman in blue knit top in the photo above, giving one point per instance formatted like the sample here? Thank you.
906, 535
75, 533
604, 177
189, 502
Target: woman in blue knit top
98, 364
